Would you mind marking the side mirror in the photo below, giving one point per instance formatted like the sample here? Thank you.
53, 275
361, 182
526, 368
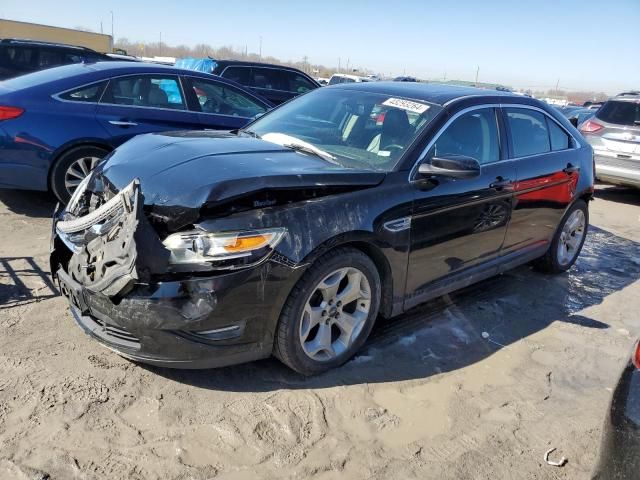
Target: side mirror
574, 121
453, 166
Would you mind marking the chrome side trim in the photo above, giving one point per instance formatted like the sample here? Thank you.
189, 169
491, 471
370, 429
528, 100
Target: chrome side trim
398, 225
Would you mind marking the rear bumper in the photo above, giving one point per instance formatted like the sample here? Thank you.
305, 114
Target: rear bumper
610, 168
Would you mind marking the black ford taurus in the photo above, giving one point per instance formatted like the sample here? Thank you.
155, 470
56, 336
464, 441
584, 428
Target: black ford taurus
291, 236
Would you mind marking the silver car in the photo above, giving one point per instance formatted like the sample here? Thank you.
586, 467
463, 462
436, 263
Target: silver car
614, 134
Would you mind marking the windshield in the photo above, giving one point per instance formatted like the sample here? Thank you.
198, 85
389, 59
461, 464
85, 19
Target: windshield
352, 128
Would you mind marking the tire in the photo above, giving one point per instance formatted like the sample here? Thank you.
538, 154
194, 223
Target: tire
72, 166
553, 261
339, 270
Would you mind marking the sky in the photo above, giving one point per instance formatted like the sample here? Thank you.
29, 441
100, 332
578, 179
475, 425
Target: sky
576, 44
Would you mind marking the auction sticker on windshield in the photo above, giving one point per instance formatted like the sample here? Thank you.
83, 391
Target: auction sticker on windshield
408, 105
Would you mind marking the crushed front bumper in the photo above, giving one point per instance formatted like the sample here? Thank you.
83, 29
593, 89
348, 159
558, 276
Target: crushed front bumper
176, 320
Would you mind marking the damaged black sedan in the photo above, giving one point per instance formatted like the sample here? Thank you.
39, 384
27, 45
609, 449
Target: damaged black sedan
291, 236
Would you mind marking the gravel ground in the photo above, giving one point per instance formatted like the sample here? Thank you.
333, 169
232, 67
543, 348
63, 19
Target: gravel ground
428, 397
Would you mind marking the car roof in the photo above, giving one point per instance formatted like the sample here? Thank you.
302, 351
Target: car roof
244, 63
439, 94
632, 96
41, 43
69, 76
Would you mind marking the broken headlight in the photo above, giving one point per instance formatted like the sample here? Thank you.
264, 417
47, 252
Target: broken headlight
224, 249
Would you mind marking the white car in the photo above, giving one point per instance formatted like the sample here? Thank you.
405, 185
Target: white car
346, 78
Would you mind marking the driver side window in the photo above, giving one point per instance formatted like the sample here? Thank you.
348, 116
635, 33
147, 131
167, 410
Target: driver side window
474, 134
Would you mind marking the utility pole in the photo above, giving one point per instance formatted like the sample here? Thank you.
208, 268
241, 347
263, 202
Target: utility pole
477, 73
113, 38
160, 44
338, 64
557, 86
260, 47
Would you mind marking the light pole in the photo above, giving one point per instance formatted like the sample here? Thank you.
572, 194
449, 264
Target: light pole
113, 39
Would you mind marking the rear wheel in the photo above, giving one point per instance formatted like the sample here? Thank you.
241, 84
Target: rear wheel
72, 167
568, 240
330, 312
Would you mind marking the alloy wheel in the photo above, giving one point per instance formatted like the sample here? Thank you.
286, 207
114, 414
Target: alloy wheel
571, 237
335, 314
77, 171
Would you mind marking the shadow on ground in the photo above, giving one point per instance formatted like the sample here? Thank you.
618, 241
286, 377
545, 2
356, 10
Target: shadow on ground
22, 281
628, 195
29, 203
447, 334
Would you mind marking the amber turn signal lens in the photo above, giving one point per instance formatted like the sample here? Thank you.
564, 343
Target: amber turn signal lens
248, 243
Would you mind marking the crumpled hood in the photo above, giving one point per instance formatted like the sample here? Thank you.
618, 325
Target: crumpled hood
185, 170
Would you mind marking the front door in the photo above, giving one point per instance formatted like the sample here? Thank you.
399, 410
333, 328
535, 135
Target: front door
459, 224
136, 104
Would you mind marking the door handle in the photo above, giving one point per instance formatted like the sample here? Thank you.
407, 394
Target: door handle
569, 169
501, 183
122, 123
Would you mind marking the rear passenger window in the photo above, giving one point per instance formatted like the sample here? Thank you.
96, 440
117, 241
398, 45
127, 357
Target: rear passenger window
241, 75
474, 134
145, 91
559, 138
89, 93
269, 79
20, 57
49, 58
529, 133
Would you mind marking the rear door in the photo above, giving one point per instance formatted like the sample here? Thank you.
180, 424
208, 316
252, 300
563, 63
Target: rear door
221, 106
547, 175
459, 224
144, 103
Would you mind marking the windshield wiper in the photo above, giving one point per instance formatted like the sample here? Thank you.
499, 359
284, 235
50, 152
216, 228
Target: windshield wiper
298, 145
311, 150
251, 133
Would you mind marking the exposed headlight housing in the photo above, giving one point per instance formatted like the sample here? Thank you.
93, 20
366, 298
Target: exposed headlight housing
224, 250
72, 204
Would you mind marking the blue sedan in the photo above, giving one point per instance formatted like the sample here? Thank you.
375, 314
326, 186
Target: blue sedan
57, 124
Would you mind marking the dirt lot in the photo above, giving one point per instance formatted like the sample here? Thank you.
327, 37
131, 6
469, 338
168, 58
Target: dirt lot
428, 397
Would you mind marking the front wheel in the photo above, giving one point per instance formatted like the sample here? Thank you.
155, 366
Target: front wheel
567, 241
329, 313
71, 168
